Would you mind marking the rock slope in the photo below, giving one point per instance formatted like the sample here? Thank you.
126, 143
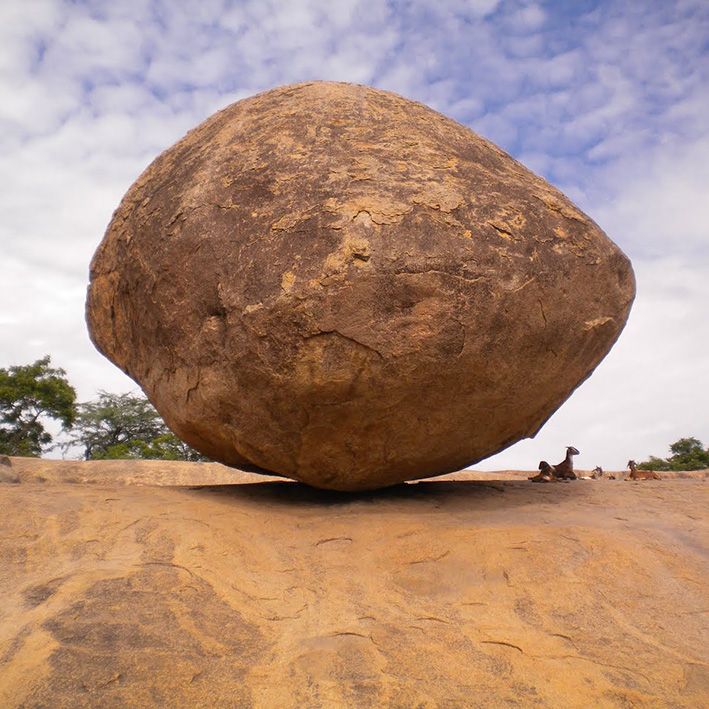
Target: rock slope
437, 594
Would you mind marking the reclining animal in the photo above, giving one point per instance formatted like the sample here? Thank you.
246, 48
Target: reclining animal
565, 469
636, 474
546, 473
598, 474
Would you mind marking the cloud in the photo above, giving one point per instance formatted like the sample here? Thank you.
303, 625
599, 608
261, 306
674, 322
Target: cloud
607, 100
527, 18
658, 205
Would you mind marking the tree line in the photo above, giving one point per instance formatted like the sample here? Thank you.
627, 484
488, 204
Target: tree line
111, 426
687, 454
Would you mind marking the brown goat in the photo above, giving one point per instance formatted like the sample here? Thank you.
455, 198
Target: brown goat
545, 474
636, 474
565, 469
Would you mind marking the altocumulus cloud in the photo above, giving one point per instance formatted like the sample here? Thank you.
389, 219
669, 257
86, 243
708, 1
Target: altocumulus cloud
608, 100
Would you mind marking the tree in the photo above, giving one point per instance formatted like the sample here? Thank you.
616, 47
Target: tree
687, 454
655, 463
28, 394
125, 426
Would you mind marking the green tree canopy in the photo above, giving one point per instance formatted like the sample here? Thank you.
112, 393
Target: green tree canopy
28, 394
125, 426
687, 454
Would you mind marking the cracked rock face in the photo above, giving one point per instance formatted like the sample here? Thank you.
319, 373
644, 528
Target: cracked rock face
344, 287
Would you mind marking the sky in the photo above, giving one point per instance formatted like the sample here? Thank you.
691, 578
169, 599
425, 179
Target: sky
606, 100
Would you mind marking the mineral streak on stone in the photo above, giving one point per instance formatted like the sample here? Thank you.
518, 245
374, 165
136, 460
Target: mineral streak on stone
347, 288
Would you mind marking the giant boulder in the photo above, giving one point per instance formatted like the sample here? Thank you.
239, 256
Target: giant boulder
347, 288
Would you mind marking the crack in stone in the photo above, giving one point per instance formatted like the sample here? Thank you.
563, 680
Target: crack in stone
505, 233
433, 618
504, 644
333, 539
407, 272
541, 307
430, 558
346, 337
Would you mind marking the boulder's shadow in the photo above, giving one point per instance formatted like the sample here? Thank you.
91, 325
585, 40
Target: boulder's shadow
451, 494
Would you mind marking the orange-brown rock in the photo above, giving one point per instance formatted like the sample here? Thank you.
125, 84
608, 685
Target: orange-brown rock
447, 593
345, 287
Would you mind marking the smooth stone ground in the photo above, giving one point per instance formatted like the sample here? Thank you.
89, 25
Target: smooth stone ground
437, 594
339, 285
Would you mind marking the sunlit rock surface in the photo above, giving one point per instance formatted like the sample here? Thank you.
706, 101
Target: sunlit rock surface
452, 593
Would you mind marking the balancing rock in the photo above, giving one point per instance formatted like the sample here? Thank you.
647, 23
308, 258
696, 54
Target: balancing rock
344, 287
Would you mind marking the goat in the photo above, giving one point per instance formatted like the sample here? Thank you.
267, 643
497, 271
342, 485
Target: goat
636, 474
598, 474
545, 474
565, 469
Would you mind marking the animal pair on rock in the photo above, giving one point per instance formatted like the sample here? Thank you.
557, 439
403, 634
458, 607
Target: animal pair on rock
561, 471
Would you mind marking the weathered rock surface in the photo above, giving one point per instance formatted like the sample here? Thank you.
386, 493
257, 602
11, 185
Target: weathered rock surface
345, 287
437, 594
